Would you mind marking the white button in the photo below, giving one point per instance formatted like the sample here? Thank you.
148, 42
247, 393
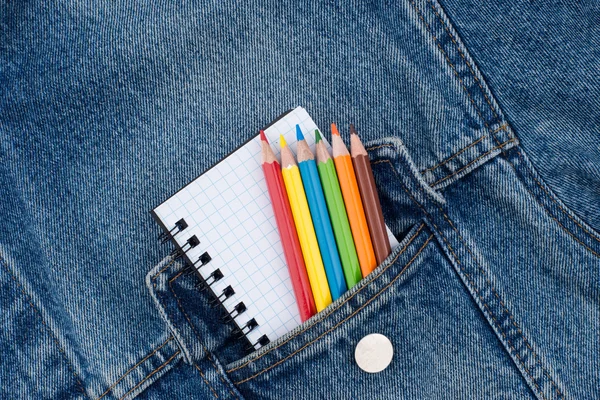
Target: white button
374, 353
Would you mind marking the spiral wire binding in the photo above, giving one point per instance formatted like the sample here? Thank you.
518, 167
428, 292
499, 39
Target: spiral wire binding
242, 330
189, 244
237, 310
179, 226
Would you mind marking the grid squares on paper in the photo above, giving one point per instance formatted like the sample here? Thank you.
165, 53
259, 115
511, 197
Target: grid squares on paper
228, 208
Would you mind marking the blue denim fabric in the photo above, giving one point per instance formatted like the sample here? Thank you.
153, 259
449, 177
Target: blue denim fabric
107, 109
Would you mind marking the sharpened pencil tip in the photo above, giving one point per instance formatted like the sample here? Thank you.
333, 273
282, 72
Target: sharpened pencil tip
352, 130
282, 142
334, 130
317, 136
262, 136
299, 134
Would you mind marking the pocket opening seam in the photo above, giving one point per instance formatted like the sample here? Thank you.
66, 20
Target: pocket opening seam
372, 298
459, 152
330, 312
163, 269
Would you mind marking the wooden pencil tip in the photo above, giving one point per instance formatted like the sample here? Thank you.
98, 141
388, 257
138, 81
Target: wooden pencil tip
334, 130
356, 146
282, 142
299, 134
317, 136
263, 137
352, 130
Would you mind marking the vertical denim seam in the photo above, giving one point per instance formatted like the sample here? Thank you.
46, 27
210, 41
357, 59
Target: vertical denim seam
150, 374
61, 350
160, 298
430, 217
420, 13
193, 329
457, 46
205, 380
198, 336
330, 312
132, 368
329, 330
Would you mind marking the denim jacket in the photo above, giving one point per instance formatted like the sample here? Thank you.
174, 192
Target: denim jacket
482, 124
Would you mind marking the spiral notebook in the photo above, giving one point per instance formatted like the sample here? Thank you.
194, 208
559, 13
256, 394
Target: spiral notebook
223, 224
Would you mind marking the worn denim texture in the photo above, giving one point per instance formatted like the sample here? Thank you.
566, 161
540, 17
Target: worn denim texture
486, 158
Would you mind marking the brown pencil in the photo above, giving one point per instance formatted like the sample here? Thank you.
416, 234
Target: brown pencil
370, 198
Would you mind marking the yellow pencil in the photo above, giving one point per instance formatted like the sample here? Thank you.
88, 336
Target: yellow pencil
305, 228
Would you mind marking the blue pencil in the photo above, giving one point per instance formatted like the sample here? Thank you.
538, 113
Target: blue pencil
320, 217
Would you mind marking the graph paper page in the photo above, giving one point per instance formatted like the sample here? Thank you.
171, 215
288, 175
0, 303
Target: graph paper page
228, 208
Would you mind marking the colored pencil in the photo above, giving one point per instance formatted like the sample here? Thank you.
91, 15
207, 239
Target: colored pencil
287, 231
337, 212
305, 228
369, 196
354, 206
320, 217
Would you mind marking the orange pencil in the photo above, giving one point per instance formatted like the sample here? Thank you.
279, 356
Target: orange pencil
354, 206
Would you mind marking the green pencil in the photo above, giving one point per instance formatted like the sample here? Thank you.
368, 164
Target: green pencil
337, 212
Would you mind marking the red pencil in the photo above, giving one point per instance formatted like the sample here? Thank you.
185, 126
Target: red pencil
287, 231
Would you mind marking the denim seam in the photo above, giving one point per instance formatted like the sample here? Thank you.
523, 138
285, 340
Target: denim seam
500, 128
452, 157
459, 152
194, 330
372, 298
337, 307
150, 374
205, 380
464, 167
457, 46
132, 368
61, 350
567, 230
163, 269
198, 336
557, 203
505, 309
510, 316
380, 146
473, 162
489, 284
420, 13
160, 297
